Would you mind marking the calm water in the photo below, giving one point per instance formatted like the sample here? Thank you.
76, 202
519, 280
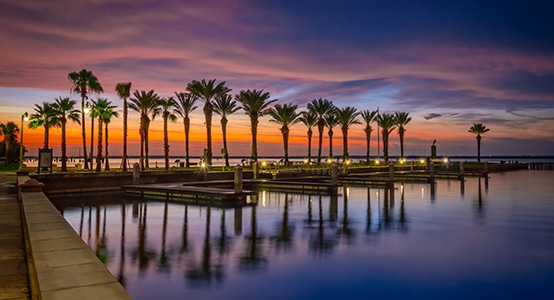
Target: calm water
494, 241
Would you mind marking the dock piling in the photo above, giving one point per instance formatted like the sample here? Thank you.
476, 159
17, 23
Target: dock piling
238, 179
136, 173
334, 174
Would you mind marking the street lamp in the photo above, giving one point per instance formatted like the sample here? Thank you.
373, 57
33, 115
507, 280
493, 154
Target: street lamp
24, 118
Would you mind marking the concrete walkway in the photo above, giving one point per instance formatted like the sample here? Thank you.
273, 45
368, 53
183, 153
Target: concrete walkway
14, 282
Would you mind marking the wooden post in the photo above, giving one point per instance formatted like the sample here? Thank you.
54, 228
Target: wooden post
391, 174
238, 179
462, 171
432, 171
136, 174
411, 165
334, 174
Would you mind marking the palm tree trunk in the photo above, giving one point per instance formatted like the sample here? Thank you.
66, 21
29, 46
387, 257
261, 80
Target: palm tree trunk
368, 140
99, 154
107, 163
146, 148
91, 141
254, 131
46, 134
285, 132
345, 144
142, 141
208, 111
166, 145
83, 134
386, 146
224, 131
320, 128
478, 148
186, 123
330, 144
124, 162
310, 133
401, 135
64, 155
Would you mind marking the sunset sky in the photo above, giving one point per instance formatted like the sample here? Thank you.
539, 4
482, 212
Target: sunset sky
448, 63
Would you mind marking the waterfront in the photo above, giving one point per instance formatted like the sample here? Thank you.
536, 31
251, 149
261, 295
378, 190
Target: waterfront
481, 241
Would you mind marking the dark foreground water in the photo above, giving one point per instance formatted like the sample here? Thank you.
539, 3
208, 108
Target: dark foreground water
476, 242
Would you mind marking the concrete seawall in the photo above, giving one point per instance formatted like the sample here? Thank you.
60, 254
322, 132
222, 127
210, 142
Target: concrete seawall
61, 265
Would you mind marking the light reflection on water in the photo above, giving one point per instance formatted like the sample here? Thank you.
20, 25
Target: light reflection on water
473, 240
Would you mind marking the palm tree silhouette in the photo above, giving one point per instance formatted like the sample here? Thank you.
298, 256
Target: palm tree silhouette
207, 91
9, 131
368, 117
224, 105
84, 82
347, 117
309, 119
387, 124
331, 120
165, 107
184, 106
123, 90
478, 128
401, 119
146, 103
64, 110
103, 110
43, 116
255, 104
320, 107
107, 119
286, 116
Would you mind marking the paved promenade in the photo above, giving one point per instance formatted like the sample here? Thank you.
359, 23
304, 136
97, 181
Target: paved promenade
14, 283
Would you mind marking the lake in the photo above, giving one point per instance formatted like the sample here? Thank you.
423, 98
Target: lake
481, 240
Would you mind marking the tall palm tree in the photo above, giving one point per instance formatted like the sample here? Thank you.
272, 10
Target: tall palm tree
91, 106
207, 91
285, 115
368, 117
320, 107
255, 104
478, 128
102, 109
387, 124
146, 103
224, 105
166, 106
83, 83
9, 131
123, 90
107, 120
347, 117
331, 120
64, 110
401, 119
309, 119
43, 116
184, 106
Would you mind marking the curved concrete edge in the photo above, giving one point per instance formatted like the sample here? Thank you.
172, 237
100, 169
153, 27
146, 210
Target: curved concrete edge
61, 265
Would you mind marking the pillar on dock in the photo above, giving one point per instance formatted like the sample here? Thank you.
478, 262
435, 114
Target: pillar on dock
136, 173
255, 169
486, 167
462, 168
432, 171
391, 174
411, 165
334, 174
238, 179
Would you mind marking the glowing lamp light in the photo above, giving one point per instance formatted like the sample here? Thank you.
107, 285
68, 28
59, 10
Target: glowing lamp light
329, 160
26, 117
445, 160
376, 161
87, 108
348, 162
305, 161
422, 161
203, 164
264, 164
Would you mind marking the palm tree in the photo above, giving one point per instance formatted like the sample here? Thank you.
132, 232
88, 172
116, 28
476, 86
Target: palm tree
320, 107
347, 117
9, 131
145, 103
331, 120
401, 119
102, 110
478, 128
309, 119
107, 119
64, 110
43, 116
255, 104
165, 107
207, 91
368, 117
184, 106
286, 116
84, 82
387, 124
123, 90
91, 106
224, 105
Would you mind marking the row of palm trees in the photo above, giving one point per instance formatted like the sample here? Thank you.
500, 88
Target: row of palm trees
321, 113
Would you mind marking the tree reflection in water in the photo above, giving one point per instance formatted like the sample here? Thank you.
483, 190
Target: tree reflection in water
142, 254
163, 264
253, 259
284, 237
322, 241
